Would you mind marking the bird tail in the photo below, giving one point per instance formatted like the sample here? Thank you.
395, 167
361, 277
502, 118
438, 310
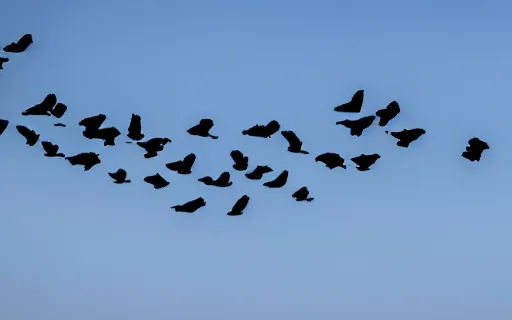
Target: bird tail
310, 199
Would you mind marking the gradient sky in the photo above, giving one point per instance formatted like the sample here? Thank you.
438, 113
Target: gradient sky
424, 235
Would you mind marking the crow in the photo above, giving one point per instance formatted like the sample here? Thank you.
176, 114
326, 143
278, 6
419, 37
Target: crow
241, 161
203, 129
475, 149
331, 160
135, 128
278, 182
59, 110
387, 114
119, 176
239, 206
405, 137
44, 108
21, 45
258, 172
364, 161
183, 166
3, 125
51, 150
357, 126
263, 131
30, 135
302, 195
2, 61
86, 159
157, 181
222, 181
191, 206
354, 105
153, 146
295, 145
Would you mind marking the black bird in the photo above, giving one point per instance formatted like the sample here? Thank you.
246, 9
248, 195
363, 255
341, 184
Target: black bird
59, 125
183, 166
239, 206
331, 160
157, 181
405, 137
153, 146
475, 149
108, 135
241, 161
222, 181
263, 131
354, 105
92, 125
135, 128
21, 45
302, 195
31, 136
388, 113
86, 159
44, 108
278, 182
2, 61
191, 206
119, 176
364, 161
59, 110
295, 145
3, 125
51, 150
203, 129
258, 172
357, 126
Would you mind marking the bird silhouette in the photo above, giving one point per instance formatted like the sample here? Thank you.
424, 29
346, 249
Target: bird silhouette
153, 146
354, 105
365, 161
157, 181
278, 182
21, 45
405, 137
59, 125
191, 206
331, 160
357, 126
92, 125
2, 61
241, 161
263, 131
119, 176
258, 172
203, 129
86, 159
44, 108
302, 195
30, 135
222, 181
135, 128
239, 206
3, 125
295, 145
388, 113
59, 110
475, 149
108, 135
183, 166
51, 150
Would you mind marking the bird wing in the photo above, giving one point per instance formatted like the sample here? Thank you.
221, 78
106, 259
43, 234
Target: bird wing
135, 124
237, 155
24, 131
121, 173
48, 146
207, 124
292, 138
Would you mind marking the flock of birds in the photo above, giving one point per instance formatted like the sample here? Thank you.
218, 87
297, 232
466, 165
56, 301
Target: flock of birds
93, 130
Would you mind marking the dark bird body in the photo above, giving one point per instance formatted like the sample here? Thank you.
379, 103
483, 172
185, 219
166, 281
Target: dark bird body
119, 176
475, 149
92, 124
183, 166
405, 137
59, 110
191, 206
357, 126
241, 161
153, 146
263, 131
157, 181
302, 195
278, 182
387, 114
258, 172
222, 181
331, 160
239, 206
44, 108
3, 125
203, 129
354, 105
30, 135
295, 145
21, 45
86, 159
51, 150
2, 61
365, 161
135, 128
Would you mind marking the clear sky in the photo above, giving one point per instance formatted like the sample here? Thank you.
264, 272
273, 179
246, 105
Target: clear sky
423, 235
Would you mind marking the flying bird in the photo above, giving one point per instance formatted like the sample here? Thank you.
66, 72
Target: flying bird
258, 172
239, 206
241, 161
354, 105
157, 181
108, 135
135, 128
191, 206
59, 125
331, 160
59, 110
119, 176
153, 146
51, 150
475, 149
222, 181
388, 113
405, 137
295, 145
21, 45
44, 108
2, 61
203, 129
86, 159
278, 182
183, 166
263, 131
365, 161
92, 125
302, 195
357, 126
30, 135
3, 125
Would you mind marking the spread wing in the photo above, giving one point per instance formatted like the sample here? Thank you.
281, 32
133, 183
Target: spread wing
135, 124
292, 138
49, 147
24, 131
237, 156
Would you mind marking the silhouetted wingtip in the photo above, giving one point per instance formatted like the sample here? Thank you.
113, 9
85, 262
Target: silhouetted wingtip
310, 199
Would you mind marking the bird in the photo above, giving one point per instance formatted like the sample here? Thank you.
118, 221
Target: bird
405, 137
135, 128
2, 61
263, 131
86, 159
295, 145
302, 195
21, 45
387, 114
241, 161
3, 125
59, 110
30, 135
239, 206
153, 146
475, 149
278, 182
258, 172
354, 105
44, 108
331, 160
157, 181
92, 125
183, 166
364, 161
191, 206
357, 126
119, 176
108, 135
59, 125
203, 129
51, 150
222, 181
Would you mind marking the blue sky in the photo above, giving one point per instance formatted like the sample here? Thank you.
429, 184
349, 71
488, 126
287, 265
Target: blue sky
425, 234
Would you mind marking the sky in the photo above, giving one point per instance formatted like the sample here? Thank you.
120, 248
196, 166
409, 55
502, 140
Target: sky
423, 235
